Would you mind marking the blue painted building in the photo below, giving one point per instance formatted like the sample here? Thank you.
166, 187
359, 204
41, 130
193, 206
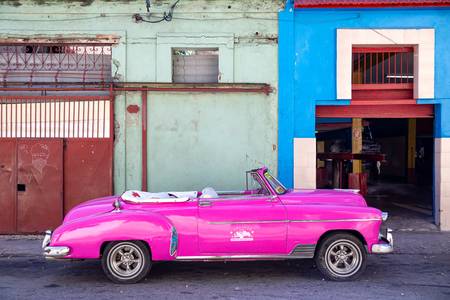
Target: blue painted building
326, 71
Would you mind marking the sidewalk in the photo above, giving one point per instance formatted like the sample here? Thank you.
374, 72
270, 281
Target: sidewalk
20, 245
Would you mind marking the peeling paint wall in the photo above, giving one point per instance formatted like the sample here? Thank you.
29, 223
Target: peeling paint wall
194, 139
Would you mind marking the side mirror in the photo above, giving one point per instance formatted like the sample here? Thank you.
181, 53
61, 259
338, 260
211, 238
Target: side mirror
117, 205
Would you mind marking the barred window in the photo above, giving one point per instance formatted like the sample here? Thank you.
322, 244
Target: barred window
383, 65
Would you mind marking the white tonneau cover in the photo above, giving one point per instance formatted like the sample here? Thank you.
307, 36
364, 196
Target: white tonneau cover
146, 197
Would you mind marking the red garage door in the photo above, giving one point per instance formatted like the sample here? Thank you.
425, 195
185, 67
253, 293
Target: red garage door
8, 179
56, 133
56, 151
39, 184
87, 171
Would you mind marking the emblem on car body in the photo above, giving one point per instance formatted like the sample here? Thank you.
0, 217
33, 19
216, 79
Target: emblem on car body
241, 235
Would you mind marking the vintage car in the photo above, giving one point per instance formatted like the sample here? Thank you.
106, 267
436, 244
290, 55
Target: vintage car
263, 222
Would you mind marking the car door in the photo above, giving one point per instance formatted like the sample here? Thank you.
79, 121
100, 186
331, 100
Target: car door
242, 225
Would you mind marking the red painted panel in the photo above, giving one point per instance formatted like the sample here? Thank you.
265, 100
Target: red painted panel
385, 86
40, 171
374, 94
87, 170
381, 49
7, 186
369, 3
376, 111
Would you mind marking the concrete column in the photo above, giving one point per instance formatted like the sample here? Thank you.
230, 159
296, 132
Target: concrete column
442, 166
305, 163
320, 149
442, 182
411, 150
357, 130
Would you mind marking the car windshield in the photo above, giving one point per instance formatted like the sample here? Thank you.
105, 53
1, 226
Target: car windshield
275, 184
256, 186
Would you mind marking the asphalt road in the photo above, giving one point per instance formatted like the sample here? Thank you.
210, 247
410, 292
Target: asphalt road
420, 269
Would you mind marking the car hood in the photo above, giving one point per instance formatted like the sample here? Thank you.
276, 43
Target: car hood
323, 197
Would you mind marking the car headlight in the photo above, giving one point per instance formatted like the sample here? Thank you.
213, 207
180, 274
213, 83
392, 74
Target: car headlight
384, 216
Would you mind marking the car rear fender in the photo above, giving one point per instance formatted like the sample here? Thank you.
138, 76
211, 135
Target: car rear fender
85, 236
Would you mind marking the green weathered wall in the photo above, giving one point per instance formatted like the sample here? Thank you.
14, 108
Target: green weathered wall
210, 141
194, 139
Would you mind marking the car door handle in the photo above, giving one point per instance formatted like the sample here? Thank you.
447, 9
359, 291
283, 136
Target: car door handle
272, 199
205, 203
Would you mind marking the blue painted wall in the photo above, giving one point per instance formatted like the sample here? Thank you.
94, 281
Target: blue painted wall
307, 68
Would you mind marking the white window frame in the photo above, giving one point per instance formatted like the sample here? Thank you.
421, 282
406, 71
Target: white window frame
165, 42
421, 39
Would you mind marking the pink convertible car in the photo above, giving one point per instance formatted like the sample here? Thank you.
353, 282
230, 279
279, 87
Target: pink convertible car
265, 221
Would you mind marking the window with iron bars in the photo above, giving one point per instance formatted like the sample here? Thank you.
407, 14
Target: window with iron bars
67, 63
383, 65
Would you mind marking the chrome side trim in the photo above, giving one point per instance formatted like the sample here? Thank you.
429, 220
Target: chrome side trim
293, 221
335, 220
248, 222
304, 251
230, 192
237, 257
173, 242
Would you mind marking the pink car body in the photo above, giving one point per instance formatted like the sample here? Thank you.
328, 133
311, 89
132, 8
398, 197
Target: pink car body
234, 225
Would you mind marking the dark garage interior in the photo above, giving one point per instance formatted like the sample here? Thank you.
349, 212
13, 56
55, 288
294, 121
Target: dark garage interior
397, 165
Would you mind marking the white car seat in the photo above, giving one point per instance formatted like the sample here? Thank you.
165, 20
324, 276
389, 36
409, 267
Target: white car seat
209, 192
146, 197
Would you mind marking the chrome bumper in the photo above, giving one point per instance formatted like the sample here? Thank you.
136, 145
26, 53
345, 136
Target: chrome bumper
56, 252
53, 251
387, 244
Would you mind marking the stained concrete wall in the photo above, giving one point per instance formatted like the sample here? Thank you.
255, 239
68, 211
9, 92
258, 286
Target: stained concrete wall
193, 139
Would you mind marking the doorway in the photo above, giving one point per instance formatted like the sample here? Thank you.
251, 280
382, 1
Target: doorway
397, 165
31, 188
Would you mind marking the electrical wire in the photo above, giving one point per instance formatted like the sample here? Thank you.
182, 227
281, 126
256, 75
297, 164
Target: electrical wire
166, 16
121, 15
125, 15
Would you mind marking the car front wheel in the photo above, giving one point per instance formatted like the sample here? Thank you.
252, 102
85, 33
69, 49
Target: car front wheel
126, 262
341, 257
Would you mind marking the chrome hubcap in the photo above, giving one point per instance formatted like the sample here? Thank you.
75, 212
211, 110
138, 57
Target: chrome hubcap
126, 260
343, 258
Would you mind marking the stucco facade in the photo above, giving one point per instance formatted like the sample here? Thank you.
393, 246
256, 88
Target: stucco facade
316, 44
194, 139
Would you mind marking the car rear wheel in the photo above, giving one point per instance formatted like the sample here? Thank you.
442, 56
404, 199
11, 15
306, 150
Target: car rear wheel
341, 257
126, 262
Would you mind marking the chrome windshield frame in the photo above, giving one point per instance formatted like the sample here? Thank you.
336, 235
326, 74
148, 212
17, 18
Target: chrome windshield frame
276, 183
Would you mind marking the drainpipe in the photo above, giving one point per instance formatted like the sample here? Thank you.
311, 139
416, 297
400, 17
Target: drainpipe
144, 140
